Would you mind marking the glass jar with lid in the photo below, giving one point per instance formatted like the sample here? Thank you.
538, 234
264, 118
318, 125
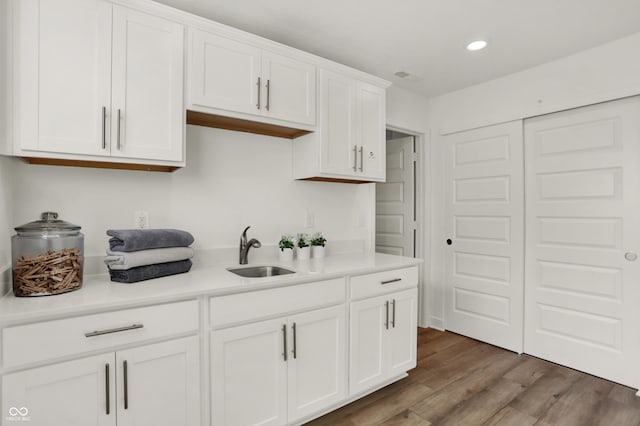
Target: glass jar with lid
47, 257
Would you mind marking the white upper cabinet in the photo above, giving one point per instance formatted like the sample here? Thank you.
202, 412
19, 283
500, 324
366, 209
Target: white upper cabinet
94, 79
63, 79
350, 142
228, 76
147, 91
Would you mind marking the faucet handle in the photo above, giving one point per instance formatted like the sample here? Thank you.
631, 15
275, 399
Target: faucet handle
244, 233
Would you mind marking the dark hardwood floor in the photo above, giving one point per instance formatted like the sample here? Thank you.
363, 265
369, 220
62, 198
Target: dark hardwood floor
460, 381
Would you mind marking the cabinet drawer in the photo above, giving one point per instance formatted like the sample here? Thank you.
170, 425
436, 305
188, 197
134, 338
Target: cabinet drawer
383, 282
36, 342
244, 307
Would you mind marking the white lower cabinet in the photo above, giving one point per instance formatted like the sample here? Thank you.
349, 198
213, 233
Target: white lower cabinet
277, 371
156, 384
382, 339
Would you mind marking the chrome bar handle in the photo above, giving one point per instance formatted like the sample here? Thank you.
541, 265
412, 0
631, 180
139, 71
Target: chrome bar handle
355, 158
104, 129
268, 93
295, 346
113, 330
259, 91
284, 337
394, 280
106, 388
386, 323
118, 132
393, 315
126, 384
361, 158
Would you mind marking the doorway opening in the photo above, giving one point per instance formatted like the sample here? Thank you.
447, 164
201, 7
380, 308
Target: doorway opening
396, 199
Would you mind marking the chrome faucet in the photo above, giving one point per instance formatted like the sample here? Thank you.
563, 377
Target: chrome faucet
246, 245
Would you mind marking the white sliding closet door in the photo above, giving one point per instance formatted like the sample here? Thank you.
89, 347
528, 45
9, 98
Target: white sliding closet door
484, 214
583, 211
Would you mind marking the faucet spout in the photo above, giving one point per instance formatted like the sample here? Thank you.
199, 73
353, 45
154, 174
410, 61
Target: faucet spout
246, 245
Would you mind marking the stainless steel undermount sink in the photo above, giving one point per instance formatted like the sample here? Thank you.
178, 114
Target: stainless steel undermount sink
260, 271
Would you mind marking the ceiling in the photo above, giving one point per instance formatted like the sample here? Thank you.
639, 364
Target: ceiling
427, 38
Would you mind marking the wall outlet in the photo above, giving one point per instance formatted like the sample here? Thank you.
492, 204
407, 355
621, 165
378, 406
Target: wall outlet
309, 219
141, 219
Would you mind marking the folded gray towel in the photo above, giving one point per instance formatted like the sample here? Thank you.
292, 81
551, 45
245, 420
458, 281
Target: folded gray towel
143, 239
142, 273
119, 260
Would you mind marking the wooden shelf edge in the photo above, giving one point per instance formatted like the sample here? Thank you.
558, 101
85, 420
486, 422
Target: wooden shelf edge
326, 179
99, 164
240, 125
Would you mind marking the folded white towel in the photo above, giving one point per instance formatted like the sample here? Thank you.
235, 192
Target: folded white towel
121, 260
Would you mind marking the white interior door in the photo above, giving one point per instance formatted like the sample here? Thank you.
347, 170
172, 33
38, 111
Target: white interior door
395, 203
583, 213
484, 225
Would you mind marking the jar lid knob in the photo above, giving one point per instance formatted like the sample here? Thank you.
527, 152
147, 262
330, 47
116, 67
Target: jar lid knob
49, 216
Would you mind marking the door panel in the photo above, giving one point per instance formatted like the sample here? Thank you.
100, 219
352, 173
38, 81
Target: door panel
403, 332
317, 368
224, 73
163, 387
484, 211
249, 375
582, 175
147, 86
366, 354
291, 94
395, 222
70, 393
64, 51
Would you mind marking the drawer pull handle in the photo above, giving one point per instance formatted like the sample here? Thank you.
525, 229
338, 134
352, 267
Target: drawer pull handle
126, 384
386, 322
284, 337
107, 388
113, 330
395, 280
295, 345
393, 316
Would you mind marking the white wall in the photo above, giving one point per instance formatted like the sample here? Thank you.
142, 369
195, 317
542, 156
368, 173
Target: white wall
232, 180
603, 73
6, 215
408, 111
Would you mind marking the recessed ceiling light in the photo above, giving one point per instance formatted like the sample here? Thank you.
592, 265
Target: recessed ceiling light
402, 74
477, 45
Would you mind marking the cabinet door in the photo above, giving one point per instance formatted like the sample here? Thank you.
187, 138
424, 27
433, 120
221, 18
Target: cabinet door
367, 344
317, 362
289, 89
159, 384
403, 331
371, 121
76, 393
147, 111
338, 124
224, 74
63, 76
249, 374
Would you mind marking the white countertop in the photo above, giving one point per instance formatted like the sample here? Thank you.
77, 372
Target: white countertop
98, 293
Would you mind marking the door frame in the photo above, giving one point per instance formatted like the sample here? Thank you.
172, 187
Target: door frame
423, 215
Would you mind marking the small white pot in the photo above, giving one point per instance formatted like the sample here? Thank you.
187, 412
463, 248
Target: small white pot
286, 255
303, 253
317, 252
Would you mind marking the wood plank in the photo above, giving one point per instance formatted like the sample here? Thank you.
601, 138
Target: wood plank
465, 382
240, 125
99, 164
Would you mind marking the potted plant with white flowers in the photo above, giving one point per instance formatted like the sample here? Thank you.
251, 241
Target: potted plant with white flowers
286, 245
317, 245
303, 250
